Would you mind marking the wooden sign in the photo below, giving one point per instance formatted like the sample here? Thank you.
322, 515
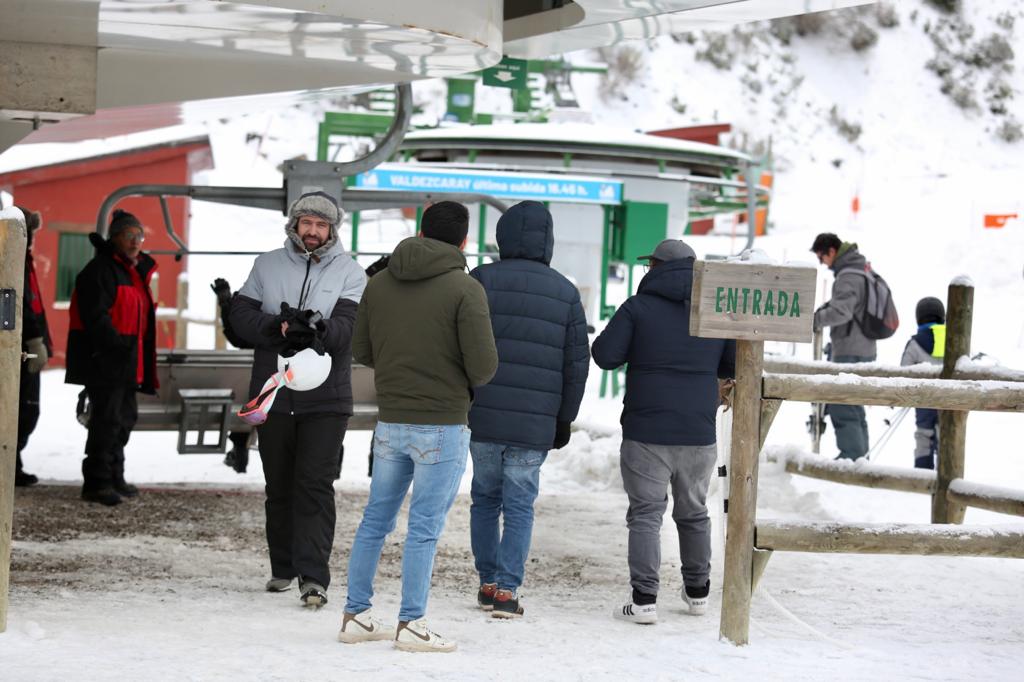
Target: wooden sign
751, 301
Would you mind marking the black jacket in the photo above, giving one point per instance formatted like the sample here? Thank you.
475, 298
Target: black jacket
672, 377
112, 333
541, 334
336, 282
33, 311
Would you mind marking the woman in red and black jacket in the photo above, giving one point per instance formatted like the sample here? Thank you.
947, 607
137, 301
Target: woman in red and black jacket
37, 349
112, 351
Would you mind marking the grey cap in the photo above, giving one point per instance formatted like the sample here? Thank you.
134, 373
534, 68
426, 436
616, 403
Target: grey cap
669, 250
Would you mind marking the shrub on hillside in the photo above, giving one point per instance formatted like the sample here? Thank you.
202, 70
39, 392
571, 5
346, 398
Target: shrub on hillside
1010, 131
863, 37
998, 92
994, 49
625, 64
963, 96
849, 130
886, 16
810, 24
950, 6
717, 50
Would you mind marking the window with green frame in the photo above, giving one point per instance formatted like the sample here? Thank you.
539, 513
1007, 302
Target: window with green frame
73, 252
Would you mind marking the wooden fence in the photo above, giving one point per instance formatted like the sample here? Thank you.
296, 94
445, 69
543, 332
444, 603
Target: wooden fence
957, 388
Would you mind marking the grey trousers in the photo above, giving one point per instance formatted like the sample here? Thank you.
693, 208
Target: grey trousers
647, 473
850, 421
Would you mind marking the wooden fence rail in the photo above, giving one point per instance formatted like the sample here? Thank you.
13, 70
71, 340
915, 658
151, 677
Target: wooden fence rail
990, 497
786, 365
884, 538
942, 394
865, 475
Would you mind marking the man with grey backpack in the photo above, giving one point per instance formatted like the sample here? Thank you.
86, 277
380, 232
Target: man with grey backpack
860, 313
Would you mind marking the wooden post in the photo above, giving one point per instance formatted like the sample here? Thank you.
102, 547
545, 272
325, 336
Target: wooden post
180, 322
953, 424
769, 408
739, 545
13, 239
817, 409
761, 557
220, 342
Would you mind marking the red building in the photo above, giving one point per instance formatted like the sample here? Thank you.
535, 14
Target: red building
68, 193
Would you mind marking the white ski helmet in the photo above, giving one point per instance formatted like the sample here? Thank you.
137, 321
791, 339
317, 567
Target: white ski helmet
305, 370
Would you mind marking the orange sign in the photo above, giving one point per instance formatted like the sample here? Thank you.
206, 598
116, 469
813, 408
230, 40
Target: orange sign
998, 220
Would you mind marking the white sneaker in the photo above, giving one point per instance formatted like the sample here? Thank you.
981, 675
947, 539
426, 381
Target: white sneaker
698, 605
363, 627
416, 636
635, 613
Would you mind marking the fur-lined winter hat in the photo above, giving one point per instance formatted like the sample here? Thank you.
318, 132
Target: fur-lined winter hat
321, 205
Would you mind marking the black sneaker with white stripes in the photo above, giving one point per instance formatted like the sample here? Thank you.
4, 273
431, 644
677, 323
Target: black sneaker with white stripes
645, 614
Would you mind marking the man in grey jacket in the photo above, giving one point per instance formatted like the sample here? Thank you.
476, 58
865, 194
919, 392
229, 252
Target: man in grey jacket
304, 295
849, 344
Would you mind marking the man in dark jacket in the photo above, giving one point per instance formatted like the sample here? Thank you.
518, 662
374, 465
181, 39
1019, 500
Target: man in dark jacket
238, 456
112, 351
36, 345
849, 344
424, 327
313, 277
527, 408
668, 425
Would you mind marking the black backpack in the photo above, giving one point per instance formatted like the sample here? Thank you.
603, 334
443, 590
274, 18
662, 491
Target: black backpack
879, 319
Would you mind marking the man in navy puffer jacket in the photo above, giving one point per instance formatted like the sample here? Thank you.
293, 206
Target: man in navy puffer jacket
527, 408
668, 425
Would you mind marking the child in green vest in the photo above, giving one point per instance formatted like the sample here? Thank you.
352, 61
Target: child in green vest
927, 346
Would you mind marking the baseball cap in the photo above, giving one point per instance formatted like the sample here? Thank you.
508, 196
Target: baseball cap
669, 250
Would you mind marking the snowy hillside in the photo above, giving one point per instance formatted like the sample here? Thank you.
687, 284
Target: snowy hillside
872, 123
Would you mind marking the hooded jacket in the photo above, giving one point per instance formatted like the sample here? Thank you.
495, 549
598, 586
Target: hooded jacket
541, 335
327, 281
846, 306
112, 331
423, 325
672, 377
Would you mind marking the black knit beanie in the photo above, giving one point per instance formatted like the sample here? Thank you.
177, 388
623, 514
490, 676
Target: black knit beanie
930, 309
121, 221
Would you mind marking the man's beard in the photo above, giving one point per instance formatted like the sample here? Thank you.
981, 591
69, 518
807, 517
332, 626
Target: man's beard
316, 242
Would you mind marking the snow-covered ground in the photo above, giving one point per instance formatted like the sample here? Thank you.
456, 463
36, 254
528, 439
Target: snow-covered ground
185, 603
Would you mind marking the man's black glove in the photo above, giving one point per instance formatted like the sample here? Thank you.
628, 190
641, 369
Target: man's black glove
222, 289
562, 435
378, 265
305, 330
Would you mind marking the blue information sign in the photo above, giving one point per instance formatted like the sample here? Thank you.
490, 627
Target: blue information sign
540, 187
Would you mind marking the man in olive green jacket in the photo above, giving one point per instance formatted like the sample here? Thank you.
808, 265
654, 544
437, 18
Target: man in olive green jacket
425, 328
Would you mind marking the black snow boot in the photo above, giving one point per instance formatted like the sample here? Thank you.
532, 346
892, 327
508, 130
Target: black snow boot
106, 496
24, 480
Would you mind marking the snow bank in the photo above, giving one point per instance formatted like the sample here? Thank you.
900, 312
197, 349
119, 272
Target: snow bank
589, 463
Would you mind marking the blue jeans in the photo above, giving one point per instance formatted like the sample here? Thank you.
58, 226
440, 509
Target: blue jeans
432, 459
505, 481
